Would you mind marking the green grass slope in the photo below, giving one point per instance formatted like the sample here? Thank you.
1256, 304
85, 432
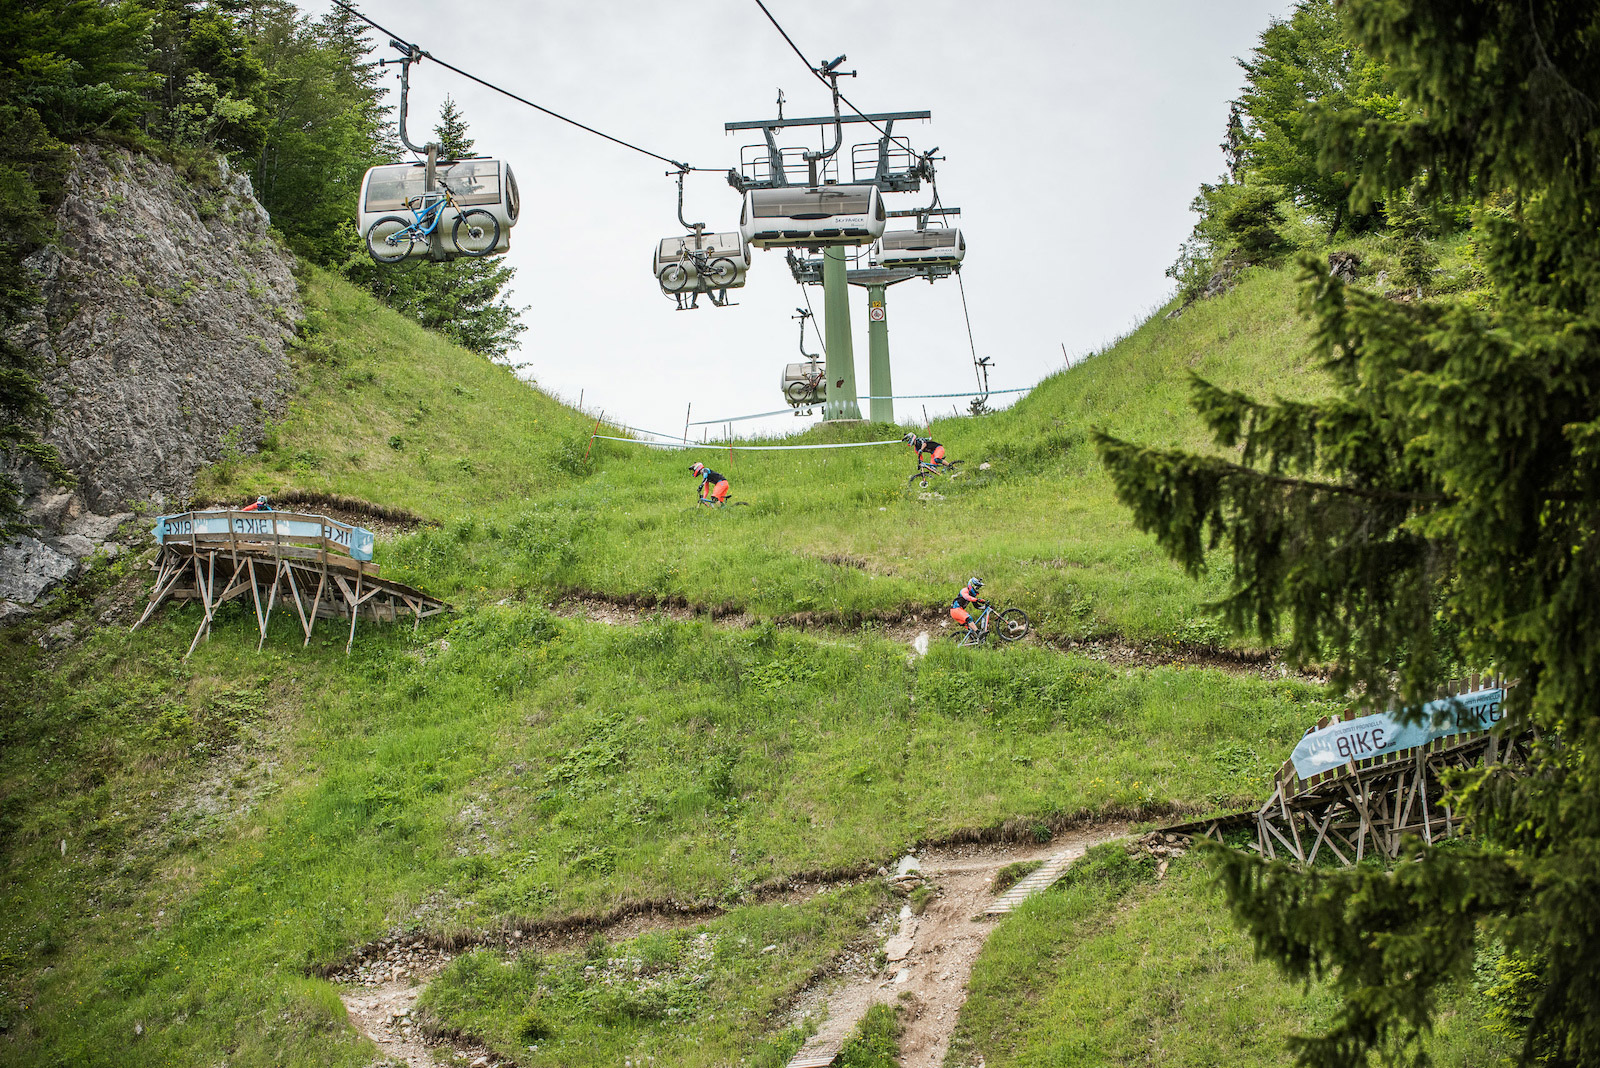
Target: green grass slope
1112, 967
188, 844
392, 414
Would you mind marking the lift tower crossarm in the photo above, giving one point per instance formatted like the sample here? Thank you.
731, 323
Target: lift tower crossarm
825, 120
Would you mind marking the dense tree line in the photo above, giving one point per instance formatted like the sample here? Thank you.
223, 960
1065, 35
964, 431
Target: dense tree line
292, 101
1440, 511
1307, 75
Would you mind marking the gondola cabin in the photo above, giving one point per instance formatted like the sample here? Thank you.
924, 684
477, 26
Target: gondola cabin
933, 247
717, 261
804, 384
485, 184
799, 217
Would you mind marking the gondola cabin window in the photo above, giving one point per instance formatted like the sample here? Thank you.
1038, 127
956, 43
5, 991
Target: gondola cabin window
475, 182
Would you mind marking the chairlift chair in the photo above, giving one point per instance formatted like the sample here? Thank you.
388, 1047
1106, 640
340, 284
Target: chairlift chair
815, 217
804, 384
476, 183
675, 268
934, 247
700, 263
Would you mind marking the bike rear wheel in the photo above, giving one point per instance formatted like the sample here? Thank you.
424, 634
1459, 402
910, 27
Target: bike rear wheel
475, 232
390, 238
1010, 625
723, 272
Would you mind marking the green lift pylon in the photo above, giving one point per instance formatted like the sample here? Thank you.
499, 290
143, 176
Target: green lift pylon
841, 402
878, 379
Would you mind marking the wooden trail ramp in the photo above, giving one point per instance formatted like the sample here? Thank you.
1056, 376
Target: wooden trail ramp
1369, 805
1041, 877
322, 567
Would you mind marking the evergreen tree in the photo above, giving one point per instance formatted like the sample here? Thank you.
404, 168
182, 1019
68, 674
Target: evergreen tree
212, 90
325, 128
1439, 510
1304, 69
451, 132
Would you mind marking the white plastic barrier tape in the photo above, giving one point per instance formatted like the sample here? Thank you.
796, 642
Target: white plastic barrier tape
935, 396
741, 418
743, 448
898, 396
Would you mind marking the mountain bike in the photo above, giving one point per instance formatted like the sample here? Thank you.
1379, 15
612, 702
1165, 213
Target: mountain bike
928, 469
812, 385
391, 238
1008, 625
717, 274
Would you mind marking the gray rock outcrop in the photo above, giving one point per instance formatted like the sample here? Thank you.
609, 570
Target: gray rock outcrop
163, 340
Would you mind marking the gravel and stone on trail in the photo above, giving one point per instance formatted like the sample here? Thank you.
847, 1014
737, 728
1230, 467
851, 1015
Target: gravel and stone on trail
929, 958
381, 985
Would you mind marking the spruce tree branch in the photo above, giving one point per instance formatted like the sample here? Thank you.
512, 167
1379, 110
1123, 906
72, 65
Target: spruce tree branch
1226, 468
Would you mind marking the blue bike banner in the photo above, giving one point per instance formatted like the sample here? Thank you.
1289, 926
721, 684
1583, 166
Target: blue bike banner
1372, 736
357, 541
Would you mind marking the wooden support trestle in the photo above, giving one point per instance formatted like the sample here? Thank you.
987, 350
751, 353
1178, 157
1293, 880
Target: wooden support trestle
315, 573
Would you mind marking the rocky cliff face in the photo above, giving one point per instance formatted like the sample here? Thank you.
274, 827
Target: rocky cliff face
163, 334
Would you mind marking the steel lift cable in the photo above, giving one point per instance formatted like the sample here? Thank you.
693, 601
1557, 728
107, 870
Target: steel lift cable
524, 100
979, 367
816, 73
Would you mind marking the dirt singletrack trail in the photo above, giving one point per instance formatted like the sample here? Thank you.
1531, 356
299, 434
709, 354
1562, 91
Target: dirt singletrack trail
1114, 651
930, 957
928, 962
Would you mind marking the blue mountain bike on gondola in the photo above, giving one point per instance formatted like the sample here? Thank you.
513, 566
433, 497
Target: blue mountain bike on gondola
392, 238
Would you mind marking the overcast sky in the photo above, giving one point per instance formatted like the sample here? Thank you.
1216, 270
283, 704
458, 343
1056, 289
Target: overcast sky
1075, 135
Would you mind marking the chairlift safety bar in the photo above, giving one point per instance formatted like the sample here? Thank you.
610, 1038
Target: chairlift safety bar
825, 120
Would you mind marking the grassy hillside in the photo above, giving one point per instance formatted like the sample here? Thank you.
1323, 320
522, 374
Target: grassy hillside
189, 844
392, 414
1111, 966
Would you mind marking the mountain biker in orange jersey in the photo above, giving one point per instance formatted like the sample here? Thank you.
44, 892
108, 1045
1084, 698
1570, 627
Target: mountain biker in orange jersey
925, 445
718, 486
968, 598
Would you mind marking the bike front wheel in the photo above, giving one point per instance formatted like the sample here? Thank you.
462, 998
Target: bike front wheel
1011, 624
390, 238
475, 232
674, 278
797, 392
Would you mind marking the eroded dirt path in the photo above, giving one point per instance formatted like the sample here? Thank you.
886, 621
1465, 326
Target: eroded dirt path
918, 630
930, 957
927, 961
